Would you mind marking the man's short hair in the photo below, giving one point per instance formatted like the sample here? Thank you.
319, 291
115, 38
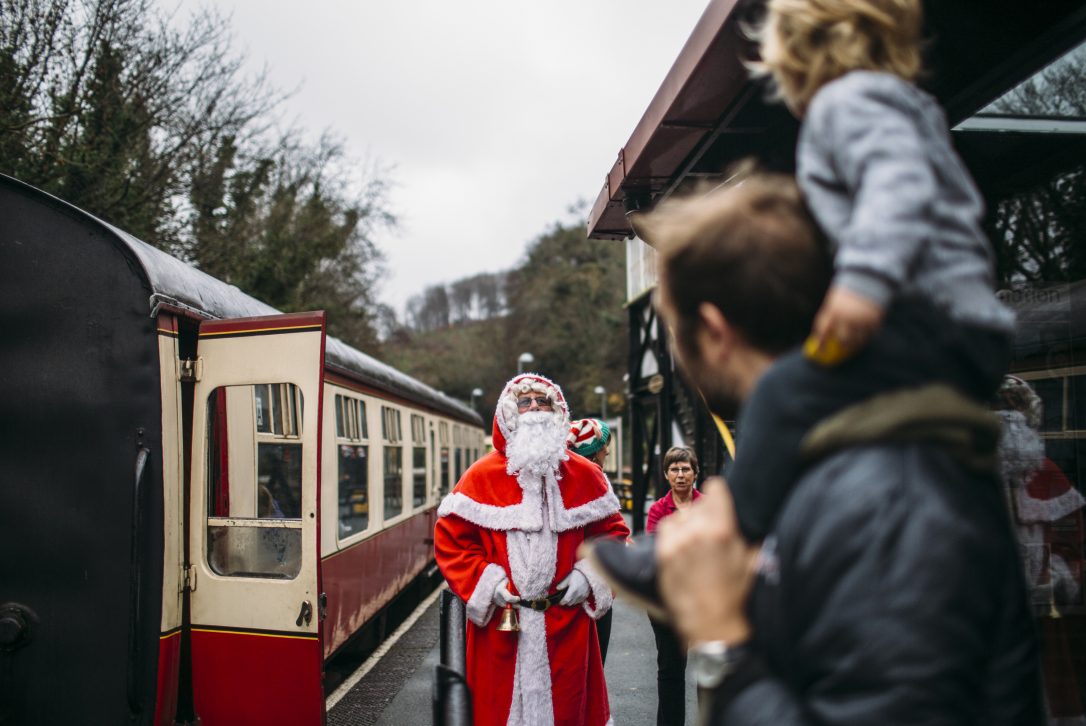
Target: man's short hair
751, 249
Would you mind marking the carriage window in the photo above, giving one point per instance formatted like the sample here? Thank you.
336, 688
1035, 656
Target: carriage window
418, 476
393, 481
353, 470
418, 461
354, 500
255, 480
350, 418
393, 460
444, 470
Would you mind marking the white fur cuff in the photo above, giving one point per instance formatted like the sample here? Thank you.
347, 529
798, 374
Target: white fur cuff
480, 606
602, 596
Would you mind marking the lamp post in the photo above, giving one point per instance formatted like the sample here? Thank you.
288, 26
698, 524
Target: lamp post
602, 393
523, 360
475, 393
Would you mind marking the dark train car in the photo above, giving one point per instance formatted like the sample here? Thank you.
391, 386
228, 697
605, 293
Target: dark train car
201, 499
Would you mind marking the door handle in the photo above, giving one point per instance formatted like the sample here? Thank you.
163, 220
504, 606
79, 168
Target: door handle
322, 606
305, 614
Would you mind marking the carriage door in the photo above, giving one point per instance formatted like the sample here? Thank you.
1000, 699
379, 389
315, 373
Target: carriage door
253, 547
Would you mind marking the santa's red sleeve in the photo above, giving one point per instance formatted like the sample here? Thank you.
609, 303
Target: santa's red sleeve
611, 526
602, 597
459, 551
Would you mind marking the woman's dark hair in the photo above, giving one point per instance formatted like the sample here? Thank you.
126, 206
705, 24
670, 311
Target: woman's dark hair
682, 454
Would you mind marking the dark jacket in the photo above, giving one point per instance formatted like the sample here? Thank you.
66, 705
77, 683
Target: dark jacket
890, 591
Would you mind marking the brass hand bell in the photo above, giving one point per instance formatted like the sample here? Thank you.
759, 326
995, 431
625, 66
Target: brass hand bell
509, 623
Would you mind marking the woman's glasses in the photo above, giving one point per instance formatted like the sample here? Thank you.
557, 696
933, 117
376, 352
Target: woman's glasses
525, 402
680, 470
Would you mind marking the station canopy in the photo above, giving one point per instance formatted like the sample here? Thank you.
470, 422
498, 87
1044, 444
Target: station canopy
708, 114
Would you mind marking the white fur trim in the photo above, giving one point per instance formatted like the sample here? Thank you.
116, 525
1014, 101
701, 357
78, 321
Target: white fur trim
480, 606
563, 520
506, 411
1030, 509
532, 563
532, 703
602, 596
528, 515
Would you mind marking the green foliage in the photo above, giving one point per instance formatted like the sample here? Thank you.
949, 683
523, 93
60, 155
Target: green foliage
563, 304
155, 129
1037, 231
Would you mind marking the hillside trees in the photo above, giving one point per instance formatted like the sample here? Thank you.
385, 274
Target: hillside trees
563, 304
150, 124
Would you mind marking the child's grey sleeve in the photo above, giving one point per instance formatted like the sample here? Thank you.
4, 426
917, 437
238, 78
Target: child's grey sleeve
871, 131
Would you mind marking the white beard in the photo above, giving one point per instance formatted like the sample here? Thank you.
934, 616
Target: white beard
537, 446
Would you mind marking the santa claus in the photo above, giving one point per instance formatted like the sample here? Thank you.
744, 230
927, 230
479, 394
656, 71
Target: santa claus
1047, 513
507, 536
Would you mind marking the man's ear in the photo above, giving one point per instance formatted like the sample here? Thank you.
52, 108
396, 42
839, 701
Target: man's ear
716, 336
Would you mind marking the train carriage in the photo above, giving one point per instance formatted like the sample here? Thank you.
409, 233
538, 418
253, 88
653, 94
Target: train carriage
201, 499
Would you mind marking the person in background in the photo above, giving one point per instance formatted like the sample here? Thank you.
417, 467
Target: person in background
506, 538
1047, 510
591, 438
681, 471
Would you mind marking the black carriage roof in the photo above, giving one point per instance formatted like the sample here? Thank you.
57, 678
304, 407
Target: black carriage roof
179, 285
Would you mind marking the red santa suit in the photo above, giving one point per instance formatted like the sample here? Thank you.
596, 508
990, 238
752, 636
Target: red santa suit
497, 526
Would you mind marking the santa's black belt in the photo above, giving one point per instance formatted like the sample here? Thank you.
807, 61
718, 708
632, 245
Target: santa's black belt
542, 603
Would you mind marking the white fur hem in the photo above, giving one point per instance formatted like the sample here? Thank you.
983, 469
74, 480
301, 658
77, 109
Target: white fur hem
564, 519
1047, 510
602, 596
526, 516
480, 606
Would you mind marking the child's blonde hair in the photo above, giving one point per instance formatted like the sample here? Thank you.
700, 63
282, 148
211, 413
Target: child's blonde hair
805, 44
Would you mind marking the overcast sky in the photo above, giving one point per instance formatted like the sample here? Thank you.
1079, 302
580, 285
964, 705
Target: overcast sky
495, 115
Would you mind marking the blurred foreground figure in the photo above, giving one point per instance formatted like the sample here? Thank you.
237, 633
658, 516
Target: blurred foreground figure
889, 588
506, 540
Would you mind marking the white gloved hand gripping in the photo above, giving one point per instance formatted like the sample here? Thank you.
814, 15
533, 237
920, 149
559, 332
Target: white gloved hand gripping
502, 596
577, 589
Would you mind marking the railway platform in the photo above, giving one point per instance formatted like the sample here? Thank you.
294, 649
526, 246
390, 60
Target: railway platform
394, 686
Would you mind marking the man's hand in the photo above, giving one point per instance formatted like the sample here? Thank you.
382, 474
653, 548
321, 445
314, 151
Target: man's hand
846, 319
502, 596
576, 586
706, 568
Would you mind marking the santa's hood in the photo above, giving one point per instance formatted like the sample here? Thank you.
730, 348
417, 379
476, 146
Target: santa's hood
488, 496
506, 413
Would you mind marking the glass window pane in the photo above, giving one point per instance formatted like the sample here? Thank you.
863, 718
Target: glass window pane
419, 476
1035, 185
240, 551
252, 476
339, 417
280, 479
444, 471
393, 481
362, 419
263, 409
1076, 403
1051, 392
354, 501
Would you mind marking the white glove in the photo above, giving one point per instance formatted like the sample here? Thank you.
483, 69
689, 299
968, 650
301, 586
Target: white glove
502, 596
576, 587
